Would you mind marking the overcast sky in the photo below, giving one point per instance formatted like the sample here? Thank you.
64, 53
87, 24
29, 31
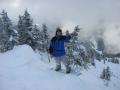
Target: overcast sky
82, 12
68, 13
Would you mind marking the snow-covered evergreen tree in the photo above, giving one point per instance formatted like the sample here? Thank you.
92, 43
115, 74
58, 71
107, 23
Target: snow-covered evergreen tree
8, 34
72, 46
44, 38
106, 74
7, 24
36, 37
25, 27
80, 54
20, 28
90, 52
115, 60
1, 25
27, 21
75, 51
100, 44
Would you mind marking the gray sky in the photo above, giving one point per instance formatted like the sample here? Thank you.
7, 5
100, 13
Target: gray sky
68, 13
82, 12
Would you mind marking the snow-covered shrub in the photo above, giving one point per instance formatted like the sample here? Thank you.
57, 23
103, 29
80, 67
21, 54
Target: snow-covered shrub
106, 74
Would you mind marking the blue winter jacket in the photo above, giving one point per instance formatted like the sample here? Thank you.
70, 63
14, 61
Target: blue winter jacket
58, 45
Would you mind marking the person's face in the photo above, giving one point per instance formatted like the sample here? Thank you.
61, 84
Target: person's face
59, 33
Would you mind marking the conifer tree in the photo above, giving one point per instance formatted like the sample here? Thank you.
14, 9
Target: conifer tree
44, 38
25, 27
75, 51
8, 34
106, 74
36, 37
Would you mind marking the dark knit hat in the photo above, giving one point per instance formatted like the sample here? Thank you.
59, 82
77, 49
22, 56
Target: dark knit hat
58, 30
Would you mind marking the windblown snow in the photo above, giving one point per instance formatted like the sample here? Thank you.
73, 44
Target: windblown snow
24, 69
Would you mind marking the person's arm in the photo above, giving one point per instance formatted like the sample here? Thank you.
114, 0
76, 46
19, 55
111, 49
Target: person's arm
50, 45
67, 38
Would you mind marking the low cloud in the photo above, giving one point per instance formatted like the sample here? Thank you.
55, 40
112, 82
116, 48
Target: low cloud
112, 39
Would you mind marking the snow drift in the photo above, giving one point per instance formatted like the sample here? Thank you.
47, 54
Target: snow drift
23, 69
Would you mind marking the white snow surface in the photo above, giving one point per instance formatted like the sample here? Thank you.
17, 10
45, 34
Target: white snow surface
23, 69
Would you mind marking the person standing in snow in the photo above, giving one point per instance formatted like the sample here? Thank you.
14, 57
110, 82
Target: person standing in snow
57, 50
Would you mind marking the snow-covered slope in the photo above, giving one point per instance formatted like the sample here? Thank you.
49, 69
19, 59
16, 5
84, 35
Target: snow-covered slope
23, 69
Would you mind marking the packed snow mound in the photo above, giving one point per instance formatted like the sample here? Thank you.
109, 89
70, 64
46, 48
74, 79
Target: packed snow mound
23, 69
18, 56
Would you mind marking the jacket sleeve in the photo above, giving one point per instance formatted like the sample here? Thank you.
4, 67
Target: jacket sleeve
51, 43
67, 38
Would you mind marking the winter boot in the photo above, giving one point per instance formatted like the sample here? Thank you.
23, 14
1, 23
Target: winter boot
58, 67
68, 69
